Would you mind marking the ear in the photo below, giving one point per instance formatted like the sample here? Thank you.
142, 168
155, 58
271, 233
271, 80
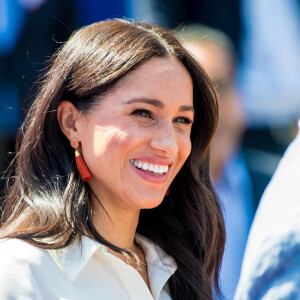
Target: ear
67, 116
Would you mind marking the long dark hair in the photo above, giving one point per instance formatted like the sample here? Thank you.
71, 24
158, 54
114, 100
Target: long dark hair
49, 206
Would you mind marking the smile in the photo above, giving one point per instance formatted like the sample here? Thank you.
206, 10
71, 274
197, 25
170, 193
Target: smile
148, 167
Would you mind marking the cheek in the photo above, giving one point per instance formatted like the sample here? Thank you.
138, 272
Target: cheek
185, 147
109, 145
110, 142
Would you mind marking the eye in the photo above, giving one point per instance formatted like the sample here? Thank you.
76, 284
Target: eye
143, 113
183, 120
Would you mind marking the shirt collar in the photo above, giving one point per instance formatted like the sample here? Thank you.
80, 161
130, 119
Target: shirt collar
160, 265
71, 260
155, 255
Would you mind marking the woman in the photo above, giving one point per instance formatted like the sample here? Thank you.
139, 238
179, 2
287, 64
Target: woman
134, 215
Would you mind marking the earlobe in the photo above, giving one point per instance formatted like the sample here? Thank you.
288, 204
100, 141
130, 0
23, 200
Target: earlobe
67, 115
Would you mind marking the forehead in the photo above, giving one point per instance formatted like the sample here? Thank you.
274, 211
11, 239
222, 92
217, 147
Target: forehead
159, 78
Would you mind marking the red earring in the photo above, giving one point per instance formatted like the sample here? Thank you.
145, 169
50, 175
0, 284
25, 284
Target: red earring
167, 192
81, 165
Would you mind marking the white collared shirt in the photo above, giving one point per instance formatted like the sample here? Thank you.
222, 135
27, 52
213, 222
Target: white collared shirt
86, 272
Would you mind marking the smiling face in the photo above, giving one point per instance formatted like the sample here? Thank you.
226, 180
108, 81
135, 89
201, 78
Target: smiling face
138, 137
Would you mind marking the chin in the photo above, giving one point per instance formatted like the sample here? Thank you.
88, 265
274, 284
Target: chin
148, 203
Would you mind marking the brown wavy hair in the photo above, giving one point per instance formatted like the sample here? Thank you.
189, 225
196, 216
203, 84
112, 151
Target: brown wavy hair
49, 206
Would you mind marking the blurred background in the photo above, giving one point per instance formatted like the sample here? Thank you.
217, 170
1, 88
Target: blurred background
249, 48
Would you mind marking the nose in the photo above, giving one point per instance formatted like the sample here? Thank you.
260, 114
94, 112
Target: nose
164, 139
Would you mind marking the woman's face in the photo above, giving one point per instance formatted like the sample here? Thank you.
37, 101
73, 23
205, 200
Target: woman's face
138, 137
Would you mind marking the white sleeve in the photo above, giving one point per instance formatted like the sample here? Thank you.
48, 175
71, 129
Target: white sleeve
271, 262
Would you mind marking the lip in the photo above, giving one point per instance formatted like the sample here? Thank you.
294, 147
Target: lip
158, 179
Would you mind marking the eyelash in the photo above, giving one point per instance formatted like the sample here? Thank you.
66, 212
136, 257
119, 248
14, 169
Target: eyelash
144, 113
187, 121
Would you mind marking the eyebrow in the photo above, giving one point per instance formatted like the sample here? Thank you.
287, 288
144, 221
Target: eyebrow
158, 104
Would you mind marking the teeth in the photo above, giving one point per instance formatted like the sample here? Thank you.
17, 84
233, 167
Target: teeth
150, 167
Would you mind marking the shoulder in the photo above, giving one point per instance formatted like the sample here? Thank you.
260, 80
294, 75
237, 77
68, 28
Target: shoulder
17, 251
20, 265
272, 258
276, 223
272, 274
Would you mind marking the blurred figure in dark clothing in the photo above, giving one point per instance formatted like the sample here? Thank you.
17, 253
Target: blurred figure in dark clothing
30, 31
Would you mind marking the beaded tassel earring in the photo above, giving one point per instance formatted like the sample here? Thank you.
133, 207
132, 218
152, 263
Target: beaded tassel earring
81, 165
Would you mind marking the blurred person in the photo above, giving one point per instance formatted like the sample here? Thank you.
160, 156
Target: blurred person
271, 266
266, 35
132, 213
215, 52
269, 83
174, 13
13, 16
30, 31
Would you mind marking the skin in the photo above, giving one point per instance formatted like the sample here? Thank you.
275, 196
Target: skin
146, 117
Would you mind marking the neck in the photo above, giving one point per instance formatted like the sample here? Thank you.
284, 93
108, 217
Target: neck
118, 226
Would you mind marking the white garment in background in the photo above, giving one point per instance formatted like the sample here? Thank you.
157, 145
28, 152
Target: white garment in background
271, 266
76, 273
